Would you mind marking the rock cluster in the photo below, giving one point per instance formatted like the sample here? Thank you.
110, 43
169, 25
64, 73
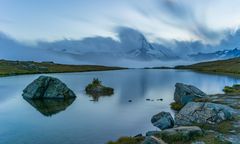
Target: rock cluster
197, 108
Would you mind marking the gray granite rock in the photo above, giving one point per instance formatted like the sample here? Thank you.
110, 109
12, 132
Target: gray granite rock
203, 113
182, 132
46, 87
187, 93
152, 133
153, 140
185, 133
163, 120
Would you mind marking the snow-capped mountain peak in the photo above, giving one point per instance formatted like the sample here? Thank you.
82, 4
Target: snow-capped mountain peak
224, 54
146, 51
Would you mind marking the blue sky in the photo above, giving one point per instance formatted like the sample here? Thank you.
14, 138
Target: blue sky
205, 20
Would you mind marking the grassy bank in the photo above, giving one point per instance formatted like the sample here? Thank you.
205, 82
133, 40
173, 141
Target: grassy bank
230, 66
9, 68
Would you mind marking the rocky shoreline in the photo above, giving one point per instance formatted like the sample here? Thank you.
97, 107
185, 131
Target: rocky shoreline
201, 119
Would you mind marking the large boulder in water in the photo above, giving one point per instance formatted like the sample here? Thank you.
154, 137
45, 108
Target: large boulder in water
163, 120
187, 93
46, 87
203, 113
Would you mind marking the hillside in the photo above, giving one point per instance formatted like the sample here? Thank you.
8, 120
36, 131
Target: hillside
231, 66
8, 68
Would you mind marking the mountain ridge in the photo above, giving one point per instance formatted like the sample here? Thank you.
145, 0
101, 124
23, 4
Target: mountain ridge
224, 54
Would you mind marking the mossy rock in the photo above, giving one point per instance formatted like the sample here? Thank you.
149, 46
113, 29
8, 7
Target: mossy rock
183, 134
96, 89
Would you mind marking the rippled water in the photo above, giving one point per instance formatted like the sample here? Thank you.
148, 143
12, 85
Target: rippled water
82, 121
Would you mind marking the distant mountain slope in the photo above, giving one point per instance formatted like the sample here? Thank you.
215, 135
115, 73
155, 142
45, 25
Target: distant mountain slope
8, 68
225, 54
220, 66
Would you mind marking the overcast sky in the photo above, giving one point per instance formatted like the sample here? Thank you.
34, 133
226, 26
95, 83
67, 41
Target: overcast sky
205, 20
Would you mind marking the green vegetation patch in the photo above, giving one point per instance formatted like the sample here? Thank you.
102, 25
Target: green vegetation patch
176, 106
128, 140
235, 89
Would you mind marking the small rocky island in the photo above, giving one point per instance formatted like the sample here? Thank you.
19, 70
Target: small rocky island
199, 119
96, 89
46, 87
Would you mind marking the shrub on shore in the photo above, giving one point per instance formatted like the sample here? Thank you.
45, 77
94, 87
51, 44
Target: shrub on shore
232, 90
128, 140
176, 106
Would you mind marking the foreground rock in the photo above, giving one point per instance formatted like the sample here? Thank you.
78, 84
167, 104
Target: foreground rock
185, 132
203, 113
187, 93
163, 120
182, 133
46, 87
96, 89
153, 140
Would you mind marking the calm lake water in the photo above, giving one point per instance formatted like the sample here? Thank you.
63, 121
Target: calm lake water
83, 121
